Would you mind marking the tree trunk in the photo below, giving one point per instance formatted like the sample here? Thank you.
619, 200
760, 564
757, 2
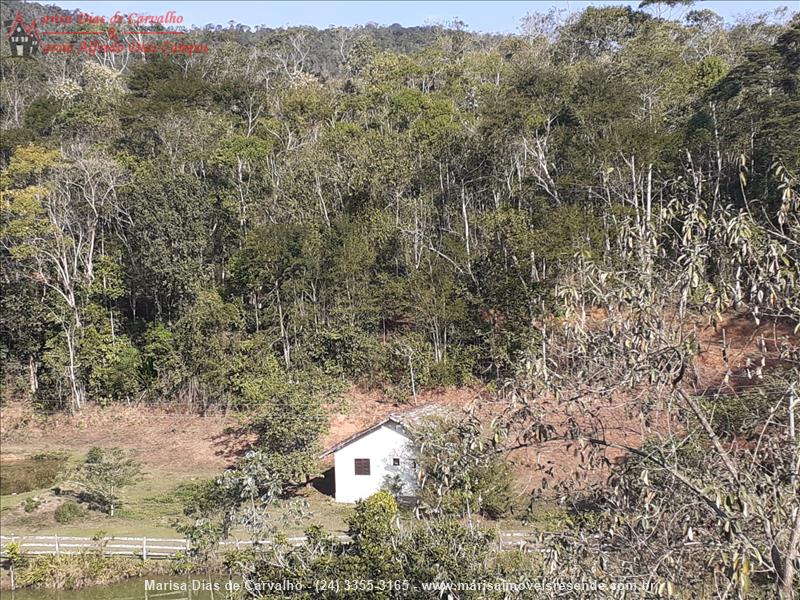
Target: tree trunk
411, 371
284, 332
33, 380
466, 227
787, 591
74, 379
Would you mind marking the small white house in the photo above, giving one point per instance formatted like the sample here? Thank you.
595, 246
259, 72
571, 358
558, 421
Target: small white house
364, 462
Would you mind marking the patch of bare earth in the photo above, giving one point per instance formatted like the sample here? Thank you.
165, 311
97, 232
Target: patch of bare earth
728, 359
734, 347
158, 437
557, 461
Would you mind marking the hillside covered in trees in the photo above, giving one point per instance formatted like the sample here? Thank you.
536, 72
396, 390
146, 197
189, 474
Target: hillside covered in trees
403, 212
543, 215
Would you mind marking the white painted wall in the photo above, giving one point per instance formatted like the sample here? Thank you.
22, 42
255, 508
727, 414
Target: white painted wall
380, 447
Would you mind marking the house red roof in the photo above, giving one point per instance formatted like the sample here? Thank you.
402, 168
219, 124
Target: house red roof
29, 29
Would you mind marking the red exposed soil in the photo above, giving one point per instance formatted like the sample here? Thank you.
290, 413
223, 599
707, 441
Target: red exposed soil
735, 347
365, 408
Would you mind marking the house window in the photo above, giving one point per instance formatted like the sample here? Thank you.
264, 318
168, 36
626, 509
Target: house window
362, 466
395, 462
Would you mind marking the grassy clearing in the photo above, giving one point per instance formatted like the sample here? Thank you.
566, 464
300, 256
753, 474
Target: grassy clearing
150, 508
322, 511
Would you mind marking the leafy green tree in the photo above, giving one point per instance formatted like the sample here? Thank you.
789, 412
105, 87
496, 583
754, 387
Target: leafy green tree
288, 414
113, 365
55, 230
277, 272
207, 339
103, 474
169, 239
462, 470
371, 526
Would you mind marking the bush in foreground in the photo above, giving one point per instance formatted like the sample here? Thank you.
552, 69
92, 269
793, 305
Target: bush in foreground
67, 513
73, 571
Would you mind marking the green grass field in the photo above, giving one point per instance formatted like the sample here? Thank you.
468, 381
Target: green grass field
150, 507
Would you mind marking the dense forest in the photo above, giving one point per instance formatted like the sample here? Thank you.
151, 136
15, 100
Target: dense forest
409, 214
542, 214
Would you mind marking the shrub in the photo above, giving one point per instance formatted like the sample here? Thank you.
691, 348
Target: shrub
181, 564
13, 551
31, 504
73, 571
94, 455
393, 484
445, 550
346, 351
743, 414
372, 527
463, 470
373, 518
68, 512
114, 365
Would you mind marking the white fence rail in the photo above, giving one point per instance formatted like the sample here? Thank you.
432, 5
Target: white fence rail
144, 547
161, 548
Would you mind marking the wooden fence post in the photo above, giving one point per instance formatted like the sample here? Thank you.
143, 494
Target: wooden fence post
144, 548
58, 550
11, 565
